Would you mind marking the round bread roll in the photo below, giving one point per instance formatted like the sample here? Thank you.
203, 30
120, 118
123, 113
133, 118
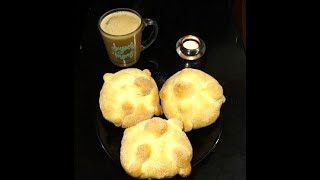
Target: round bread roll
128, 97
192, 96
156, 148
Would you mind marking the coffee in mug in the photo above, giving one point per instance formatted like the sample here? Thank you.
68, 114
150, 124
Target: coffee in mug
121, 31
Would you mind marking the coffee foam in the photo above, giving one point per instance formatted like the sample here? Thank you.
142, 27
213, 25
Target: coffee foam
120, 23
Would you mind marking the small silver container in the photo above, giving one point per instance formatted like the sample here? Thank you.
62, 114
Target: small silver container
191, 49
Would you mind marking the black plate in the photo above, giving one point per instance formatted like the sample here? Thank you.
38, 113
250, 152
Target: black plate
203, 140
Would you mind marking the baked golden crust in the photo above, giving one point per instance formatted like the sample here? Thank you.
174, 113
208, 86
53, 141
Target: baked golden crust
192, 96
156, 148
128, 97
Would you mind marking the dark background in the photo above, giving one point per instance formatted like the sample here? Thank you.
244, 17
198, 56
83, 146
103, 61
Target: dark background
216, 24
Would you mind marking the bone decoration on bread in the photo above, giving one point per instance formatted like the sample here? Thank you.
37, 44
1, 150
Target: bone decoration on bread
128, 97
156, 148
192, 96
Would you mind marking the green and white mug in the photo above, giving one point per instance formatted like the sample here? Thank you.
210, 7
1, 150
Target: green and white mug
121, 30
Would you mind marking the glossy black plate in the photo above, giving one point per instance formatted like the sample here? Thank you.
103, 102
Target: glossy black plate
203, 140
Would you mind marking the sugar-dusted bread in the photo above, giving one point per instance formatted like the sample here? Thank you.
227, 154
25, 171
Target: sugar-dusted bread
192, 96
128, 97
156, 148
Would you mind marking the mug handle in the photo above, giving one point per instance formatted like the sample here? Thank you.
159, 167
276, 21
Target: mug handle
153, 35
